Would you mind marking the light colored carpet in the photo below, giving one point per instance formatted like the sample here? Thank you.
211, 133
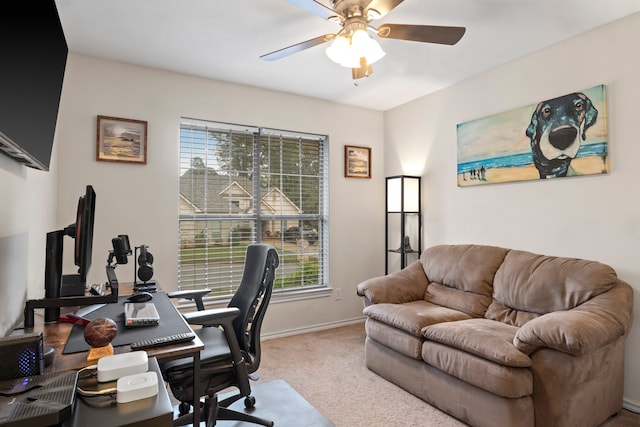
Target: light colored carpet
327, 368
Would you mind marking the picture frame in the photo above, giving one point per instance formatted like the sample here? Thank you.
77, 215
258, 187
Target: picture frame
357, 161
121, 140
552, 138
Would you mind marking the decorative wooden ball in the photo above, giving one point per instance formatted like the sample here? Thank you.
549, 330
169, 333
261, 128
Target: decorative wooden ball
100, 332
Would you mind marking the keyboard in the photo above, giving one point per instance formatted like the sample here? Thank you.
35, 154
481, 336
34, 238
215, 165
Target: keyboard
160, 341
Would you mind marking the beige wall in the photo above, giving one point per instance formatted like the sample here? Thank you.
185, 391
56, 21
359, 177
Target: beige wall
27, 213
142, 200
595, 217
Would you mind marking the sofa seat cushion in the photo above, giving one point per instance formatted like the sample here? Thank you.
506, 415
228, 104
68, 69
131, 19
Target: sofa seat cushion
412, 316
485, 338
504, 381
400, 341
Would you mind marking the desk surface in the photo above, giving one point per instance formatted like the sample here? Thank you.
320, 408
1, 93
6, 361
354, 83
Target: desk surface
55, 335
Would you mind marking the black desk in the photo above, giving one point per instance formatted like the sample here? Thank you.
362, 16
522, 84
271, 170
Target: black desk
153, 411
56, 334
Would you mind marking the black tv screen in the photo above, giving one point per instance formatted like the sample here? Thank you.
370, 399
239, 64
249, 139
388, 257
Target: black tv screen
34, 55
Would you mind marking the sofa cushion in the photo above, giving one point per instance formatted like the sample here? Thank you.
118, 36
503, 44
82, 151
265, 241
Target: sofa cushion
505, 381
527, 285
505, 314
400, 341
464, 270
485, 338
411, 317
471, 303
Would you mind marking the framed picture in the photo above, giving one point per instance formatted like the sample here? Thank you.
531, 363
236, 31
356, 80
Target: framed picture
357, 162
554, 138
121, 140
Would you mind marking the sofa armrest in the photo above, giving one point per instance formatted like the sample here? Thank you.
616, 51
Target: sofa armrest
408, 284
583, 329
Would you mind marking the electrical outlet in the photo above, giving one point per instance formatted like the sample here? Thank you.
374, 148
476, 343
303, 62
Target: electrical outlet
338, 294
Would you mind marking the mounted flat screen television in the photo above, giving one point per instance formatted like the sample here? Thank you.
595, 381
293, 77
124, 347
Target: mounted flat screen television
34, 55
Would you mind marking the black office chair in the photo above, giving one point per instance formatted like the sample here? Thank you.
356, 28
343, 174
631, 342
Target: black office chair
232, 344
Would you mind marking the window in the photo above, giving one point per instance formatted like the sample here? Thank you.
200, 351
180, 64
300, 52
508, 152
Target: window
241, 185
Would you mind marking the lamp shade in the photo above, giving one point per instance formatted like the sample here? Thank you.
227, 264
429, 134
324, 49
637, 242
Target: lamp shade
338, 50
403, 193
347, 51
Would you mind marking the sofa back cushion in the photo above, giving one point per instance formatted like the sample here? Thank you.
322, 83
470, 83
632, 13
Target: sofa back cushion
528, 285
461, 276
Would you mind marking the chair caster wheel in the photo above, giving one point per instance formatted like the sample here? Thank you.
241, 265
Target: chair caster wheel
249, 402
183, 408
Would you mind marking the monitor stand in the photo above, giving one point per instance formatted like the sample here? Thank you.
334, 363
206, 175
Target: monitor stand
72, 286
150, 286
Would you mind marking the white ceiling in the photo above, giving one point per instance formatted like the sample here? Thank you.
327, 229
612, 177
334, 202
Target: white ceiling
223, 40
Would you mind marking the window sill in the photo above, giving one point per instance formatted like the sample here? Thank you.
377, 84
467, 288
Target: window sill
186, 306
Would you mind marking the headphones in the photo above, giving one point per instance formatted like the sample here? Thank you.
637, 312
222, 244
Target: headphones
145, 267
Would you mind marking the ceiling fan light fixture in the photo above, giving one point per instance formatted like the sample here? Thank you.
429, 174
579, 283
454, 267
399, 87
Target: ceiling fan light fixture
348, 51
364, 46
339, 49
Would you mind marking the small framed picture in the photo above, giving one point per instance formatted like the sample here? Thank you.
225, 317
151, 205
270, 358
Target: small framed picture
121, 140
357, 161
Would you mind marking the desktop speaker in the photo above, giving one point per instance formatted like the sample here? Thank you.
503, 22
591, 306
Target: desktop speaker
21, 356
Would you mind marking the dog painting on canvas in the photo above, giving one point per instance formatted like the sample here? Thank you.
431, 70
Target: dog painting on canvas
557, 128
564, 136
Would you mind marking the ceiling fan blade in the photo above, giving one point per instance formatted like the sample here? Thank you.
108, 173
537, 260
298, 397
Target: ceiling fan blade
298, 47
384, 6
314, 8
422, 33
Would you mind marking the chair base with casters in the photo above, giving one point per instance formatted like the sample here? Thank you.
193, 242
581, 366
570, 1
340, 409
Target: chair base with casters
212, 409
231, 338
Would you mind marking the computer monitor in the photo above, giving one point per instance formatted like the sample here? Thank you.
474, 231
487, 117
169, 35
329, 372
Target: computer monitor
82, 232
63, 285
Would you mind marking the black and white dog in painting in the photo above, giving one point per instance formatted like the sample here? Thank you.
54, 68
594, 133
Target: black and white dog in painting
555, 131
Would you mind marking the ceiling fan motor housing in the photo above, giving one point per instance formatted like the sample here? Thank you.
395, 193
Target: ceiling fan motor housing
351, 8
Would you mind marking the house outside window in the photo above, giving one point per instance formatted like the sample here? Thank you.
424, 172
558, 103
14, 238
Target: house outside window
241, 185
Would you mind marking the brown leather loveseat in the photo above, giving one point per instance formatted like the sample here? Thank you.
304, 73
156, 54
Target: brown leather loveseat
501, 337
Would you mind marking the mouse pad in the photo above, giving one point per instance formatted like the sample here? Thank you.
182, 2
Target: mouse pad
170, 324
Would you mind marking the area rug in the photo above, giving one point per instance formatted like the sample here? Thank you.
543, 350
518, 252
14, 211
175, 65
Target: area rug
276, 400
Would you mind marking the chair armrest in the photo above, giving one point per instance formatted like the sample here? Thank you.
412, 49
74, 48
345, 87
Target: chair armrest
406, 285
579, 331
192, 295
222, 317
213, 317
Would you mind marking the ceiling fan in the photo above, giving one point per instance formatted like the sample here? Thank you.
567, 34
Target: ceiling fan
352, 46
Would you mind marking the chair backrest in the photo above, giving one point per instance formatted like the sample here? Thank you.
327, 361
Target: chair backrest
252, 298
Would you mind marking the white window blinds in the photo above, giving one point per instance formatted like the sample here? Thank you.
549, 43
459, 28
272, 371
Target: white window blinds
242, 184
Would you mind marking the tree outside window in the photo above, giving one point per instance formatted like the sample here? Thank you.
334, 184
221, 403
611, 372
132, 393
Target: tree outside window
240, 185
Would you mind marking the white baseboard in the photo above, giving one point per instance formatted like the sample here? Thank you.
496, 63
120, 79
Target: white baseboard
631, 406
314, 328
